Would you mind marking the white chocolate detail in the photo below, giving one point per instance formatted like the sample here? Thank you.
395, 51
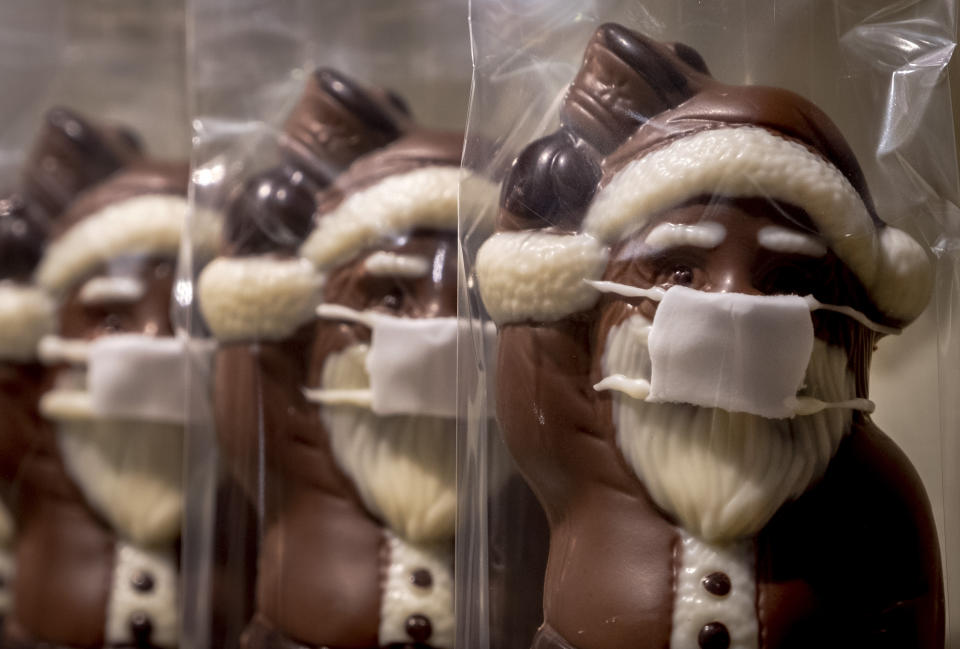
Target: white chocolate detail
674, 235
147, 224
749, 161
129, 472
538, 275
252, 298
694, 606
67, 405
722, 475
391, 264
403, 598
404, 467
424, 198
654, 293
360, 398
159, 603
26, 315
636, 388
787, 241
54, 349
99, 290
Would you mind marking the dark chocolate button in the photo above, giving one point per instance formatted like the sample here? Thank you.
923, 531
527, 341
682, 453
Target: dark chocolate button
714, 636
141, 628
717, 583
418, 627
421, 578
142, 582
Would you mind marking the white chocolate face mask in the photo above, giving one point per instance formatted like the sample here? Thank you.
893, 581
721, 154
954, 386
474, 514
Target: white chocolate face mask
412, 363
733, 351
128, 377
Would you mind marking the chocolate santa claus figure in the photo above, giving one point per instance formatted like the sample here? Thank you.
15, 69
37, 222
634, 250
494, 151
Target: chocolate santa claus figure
96, 480
689, 279
334, 307
26, 314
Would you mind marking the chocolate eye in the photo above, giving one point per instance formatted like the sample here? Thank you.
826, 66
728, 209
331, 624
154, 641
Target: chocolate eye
393, 299
681, 275
113, 323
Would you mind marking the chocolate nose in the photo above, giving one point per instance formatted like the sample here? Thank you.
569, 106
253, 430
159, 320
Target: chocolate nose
734, 280
418, 627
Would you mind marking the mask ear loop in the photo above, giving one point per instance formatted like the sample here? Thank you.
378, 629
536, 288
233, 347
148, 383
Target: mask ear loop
341, 312
361, 397
633, 387
654, 293
850, 312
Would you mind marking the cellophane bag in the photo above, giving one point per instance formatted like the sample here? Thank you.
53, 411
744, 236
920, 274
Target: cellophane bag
92, 206
323, 269
722, 264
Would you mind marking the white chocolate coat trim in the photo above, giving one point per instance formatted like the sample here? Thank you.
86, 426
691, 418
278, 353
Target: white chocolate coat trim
251, 298
425, 197
749, 161
401, 598
159, 603
538, 275
26, 315
694, 607
149, 224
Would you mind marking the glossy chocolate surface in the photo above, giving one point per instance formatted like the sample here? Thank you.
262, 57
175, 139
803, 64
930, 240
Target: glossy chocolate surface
72, 153
336, 121
271, 212
65, 550
823, 571
323, 555
23, 232
138, 179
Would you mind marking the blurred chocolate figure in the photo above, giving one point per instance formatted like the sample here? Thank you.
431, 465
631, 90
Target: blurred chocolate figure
95, 481
26, 314
695, 425
334, 306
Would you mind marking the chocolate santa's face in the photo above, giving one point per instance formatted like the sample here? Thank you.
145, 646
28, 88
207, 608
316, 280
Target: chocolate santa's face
414, 278
128, 295
747, 247
135, 482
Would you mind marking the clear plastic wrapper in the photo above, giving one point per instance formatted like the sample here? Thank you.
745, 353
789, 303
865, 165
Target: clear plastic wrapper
322, 470
702, 259
92, 207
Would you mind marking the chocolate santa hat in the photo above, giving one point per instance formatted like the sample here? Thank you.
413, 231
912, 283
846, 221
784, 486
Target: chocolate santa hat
71, 153
26, 312
139, 210
645, 128
356, 171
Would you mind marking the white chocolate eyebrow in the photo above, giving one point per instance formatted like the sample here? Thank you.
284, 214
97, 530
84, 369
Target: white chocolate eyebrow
780, 239
673, 235
391, 264
111, 289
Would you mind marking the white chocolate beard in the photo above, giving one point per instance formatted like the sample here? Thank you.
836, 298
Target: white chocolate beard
724, 475
403, 466
130, 472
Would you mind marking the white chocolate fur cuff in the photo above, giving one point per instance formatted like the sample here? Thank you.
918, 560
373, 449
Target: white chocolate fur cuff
251, 298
